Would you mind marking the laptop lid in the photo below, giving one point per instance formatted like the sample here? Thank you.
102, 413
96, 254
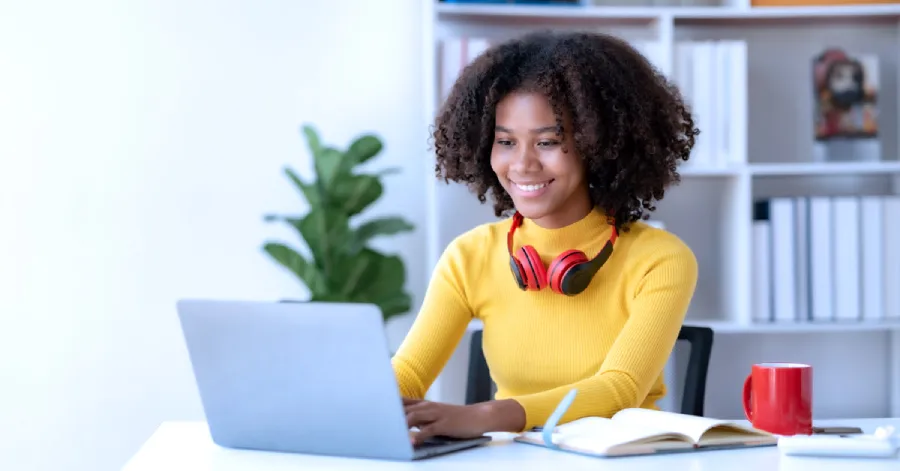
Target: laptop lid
296, 377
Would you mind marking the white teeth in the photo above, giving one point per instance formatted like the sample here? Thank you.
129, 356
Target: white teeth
531, 187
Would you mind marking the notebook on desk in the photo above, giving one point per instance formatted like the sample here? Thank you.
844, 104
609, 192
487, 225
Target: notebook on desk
643, 431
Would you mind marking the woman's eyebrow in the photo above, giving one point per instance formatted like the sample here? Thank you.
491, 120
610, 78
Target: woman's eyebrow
539, 130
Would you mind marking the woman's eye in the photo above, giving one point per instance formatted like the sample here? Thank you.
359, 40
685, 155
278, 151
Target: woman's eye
504, 142
548, 143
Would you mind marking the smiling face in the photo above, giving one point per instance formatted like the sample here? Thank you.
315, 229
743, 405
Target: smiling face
547, 184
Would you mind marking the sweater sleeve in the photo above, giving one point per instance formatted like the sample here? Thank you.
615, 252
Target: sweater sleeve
656, 311
442, 320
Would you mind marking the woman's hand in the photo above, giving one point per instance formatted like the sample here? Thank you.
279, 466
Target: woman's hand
450, 420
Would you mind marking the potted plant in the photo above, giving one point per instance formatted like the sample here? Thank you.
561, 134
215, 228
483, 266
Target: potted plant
340, 265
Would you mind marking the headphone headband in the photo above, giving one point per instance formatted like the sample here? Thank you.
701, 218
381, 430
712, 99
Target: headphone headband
595, 262
569, 273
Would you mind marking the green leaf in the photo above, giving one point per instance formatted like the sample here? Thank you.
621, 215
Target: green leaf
297, 264
310, 191
328, 166
326, 233
386, 290
352, 274
368, 277
354, 193
325, 298
390, 278
399, 303
387, 171
362, 149
378, 227
330, 297
312, 140
292, 220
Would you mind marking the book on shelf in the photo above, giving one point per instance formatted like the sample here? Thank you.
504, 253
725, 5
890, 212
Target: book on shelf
638, 431
826, 259
712, 77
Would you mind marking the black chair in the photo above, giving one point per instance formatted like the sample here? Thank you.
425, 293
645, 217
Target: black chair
480, 386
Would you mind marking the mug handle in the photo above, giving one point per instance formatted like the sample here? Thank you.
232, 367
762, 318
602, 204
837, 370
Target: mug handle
748, 386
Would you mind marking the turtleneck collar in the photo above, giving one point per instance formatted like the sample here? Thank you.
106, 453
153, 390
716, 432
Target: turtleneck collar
588, 233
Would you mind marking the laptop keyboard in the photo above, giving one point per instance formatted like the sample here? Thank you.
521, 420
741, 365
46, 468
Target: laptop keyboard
437, 441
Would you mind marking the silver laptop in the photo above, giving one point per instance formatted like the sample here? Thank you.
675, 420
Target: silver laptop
310, 378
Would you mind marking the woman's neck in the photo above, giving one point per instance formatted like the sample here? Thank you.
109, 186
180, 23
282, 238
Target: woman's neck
587, 233
576, 208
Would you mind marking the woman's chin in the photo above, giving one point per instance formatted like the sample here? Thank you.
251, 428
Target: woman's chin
529, 210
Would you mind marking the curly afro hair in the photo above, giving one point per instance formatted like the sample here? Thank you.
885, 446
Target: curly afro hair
631, 126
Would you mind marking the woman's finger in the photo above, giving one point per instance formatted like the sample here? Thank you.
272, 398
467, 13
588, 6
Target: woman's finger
408, 401
418, 406
425, 432
421, 417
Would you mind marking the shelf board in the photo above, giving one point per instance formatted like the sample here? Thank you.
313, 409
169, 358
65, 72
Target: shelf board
579, 13
726, 327
531, 14
762, 14
689, 171
826, 168
796, 169
483, 11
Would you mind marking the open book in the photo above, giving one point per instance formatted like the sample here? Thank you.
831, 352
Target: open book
646, 431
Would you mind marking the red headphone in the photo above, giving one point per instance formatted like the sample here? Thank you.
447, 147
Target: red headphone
570, 273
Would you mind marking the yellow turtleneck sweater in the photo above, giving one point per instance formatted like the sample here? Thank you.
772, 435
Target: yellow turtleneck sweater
611, 342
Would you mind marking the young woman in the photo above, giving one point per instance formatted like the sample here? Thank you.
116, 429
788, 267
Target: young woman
576, 135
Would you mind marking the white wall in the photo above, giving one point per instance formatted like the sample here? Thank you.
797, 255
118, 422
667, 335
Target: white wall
140, 144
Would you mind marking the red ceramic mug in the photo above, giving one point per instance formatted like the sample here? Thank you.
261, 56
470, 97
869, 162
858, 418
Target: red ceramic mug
778, 398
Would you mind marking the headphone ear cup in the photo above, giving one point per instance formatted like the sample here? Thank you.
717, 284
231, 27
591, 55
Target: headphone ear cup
577, 279
562, 265
533, 268
518, 272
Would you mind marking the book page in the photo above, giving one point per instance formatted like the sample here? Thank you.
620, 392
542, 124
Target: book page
597, 435
696, 428
727, 434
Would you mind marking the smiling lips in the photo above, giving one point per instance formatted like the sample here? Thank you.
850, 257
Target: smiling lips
532, 188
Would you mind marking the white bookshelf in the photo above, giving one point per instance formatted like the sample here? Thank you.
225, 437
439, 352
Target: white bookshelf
591, 15
712, 208
725, 327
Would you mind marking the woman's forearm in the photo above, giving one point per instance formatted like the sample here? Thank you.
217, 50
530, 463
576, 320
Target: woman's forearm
503, 415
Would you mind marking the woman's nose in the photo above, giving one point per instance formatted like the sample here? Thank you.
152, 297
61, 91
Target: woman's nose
525, 160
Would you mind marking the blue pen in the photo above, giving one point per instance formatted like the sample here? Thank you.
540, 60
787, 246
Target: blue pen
554, 418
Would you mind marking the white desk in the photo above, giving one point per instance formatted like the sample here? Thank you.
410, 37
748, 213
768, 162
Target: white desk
180, 446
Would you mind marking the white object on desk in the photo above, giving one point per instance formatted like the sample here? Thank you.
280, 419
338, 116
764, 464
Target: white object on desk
178, 446
883, 443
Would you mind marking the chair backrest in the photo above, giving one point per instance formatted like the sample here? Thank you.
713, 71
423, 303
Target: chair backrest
694, 393
480, 387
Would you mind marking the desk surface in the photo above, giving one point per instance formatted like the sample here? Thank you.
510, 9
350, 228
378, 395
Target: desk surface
179, 446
